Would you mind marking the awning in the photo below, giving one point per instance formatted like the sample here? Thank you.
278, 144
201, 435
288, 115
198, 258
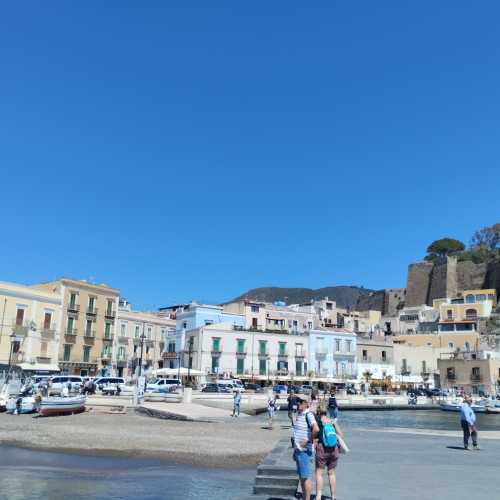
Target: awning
38, 367
174, 372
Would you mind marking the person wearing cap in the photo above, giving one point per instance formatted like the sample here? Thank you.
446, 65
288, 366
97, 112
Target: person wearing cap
304, 428
468, 423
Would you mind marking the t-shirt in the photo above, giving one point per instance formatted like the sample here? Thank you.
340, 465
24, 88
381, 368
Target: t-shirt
292, 403
302, 430
332, 402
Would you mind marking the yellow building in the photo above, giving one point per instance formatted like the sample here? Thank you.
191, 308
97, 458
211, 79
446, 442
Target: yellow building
88, 325
30, 326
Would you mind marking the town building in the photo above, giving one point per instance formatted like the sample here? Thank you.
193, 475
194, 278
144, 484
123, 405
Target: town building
375, 359
88, 325
226, 350
474, 372
136, 331
30, 328
332, 355
418, 319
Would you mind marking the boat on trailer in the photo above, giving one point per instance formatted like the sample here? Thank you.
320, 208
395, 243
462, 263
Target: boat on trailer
21, 404
61, 405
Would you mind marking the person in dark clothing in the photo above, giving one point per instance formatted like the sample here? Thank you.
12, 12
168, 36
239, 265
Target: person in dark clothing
292, 406
332, 405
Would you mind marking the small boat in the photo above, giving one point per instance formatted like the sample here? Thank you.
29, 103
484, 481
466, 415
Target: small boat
493, 409
21, 404
455, 406
61, 405
4, 397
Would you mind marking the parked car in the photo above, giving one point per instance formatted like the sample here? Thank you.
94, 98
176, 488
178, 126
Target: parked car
101, 382
58, 382
164, 385
232, 384
306, 389
294, 388
217, 388
39, 379
254, 388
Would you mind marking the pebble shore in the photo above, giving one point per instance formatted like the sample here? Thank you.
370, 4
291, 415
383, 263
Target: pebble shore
232, 444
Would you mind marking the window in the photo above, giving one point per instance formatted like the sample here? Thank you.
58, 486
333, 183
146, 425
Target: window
384, 356
262, 367
491, 296
121, 353
107, 330
254, 309
282, 348
137, 332
86, 354
240, 366
209, 322
171, 347
240, 346
184, 324
476, 373
216, 344
149, 332
215, 364
449, 314
91, 304
424, 367
19, 317
451, 345
470, 314
163, 335
299, 350
329, 306
481, 297
337, 345
262, 347
109, 306
467, 346
310, 325
72, 299
67, 352
47, 320
356, 325
365, 355
123, 329
347, 346
70, 329
88, 328
470, 299
298, 368
254, 323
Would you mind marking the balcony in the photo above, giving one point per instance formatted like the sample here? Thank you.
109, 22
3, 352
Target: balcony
263, 354
89, 334
70, 332
476, 377
43, 360
241, 354
110, 313
74, 308
122, 357
20, 329
169, 355
282, 355
123, 340
92, 311
108, 337
300, 355
405, 371
106, 355
48, 333
451, 376
321, 352
217, 351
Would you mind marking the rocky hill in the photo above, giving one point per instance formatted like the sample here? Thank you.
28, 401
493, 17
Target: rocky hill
344, 296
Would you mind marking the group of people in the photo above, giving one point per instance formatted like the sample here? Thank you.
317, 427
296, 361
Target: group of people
316, 436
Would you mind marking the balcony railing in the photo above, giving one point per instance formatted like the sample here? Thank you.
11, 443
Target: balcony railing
283, 355
123, 340
48, 332
263, 354
122, 357
44, 360
300, 354
216, 351
110, 313
92, 311
476, 377
73, 307
108, 336
89, 334
20, 329
106, 355
71, 331
451, 376
405, 371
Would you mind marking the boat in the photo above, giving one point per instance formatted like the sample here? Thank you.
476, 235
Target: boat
455, 406
62, 405
493, 409
21, 404
4, 397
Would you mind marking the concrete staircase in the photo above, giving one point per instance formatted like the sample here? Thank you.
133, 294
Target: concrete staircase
275, 481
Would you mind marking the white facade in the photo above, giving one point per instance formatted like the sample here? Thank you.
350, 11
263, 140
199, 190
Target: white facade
226, 351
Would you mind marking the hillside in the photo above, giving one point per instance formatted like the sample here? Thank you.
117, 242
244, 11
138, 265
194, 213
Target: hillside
344, 296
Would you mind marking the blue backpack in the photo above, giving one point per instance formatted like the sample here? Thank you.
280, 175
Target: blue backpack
329, 435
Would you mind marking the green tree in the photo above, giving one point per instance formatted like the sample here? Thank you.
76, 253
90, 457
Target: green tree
487, 238
444, 247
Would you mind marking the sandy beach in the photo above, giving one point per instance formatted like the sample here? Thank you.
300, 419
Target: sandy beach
236, 443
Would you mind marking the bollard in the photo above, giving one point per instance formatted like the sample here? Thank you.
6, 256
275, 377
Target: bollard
187, 395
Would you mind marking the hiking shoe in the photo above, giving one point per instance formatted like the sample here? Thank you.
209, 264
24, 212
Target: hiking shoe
476, 448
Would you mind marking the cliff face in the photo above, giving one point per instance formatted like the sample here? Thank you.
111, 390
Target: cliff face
428, 281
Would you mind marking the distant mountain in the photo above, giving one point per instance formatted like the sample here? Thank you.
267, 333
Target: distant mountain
344, 296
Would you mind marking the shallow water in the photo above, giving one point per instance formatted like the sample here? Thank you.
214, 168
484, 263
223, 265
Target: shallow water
26, 474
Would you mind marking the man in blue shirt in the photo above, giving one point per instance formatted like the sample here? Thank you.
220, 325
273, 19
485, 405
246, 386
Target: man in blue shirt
468, 423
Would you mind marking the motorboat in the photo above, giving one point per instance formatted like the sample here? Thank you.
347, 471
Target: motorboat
62, 405
21, 404
456, 405
493, 409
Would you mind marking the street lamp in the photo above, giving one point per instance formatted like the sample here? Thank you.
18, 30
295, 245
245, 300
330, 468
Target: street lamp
13, 339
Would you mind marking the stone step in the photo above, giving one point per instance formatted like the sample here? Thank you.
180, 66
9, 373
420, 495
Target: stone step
277, 480
276, 470
274, 490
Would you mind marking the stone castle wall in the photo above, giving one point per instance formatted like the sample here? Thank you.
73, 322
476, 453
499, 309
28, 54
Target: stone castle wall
418, 283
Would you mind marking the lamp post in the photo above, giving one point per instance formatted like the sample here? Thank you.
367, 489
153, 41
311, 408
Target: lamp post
13, 338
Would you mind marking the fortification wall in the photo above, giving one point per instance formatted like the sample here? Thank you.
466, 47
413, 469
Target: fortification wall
418, 283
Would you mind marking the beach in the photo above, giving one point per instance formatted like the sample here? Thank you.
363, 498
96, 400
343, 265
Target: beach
230, 444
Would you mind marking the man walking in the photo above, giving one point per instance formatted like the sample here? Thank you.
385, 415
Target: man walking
468, 423
332, 405
304, 426
292, 406
236, 403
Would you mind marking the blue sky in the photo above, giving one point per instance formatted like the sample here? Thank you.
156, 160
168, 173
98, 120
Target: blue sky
195, 150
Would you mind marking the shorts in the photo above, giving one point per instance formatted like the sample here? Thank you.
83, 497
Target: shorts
327, 457
303, 461
332, 413
271, 412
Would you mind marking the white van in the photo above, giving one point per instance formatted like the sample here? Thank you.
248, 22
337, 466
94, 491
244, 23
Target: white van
231, 383
58, 382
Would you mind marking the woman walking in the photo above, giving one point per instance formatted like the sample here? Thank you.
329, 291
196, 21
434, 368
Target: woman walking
327, 451
271, 409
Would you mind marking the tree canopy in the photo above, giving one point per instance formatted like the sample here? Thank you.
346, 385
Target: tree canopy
487, 238
444, 247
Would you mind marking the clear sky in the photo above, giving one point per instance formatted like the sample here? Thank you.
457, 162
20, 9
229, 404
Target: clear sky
193, 150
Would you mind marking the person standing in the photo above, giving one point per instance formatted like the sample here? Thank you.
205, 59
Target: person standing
468, 423
304, 427
292, 406
236, 403
327, 451
332, 405
271, 409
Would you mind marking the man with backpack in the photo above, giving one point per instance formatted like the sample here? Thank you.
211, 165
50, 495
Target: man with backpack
327, 450
304, 428
332, 405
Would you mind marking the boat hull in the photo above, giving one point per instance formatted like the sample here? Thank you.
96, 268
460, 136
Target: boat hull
28, 405
61, 406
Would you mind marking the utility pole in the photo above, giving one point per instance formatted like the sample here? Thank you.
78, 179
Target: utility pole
142, 337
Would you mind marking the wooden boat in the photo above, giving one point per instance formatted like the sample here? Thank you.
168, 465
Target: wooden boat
61, 406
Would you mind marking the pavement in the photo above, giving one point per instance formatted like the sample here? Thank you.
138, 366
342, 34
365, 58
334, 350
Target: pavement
396, 465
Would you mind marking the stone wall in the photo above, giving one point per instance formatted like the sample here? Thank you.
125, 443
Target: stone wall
438, 283
492, 279
393, 301
418, 283
374, 301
